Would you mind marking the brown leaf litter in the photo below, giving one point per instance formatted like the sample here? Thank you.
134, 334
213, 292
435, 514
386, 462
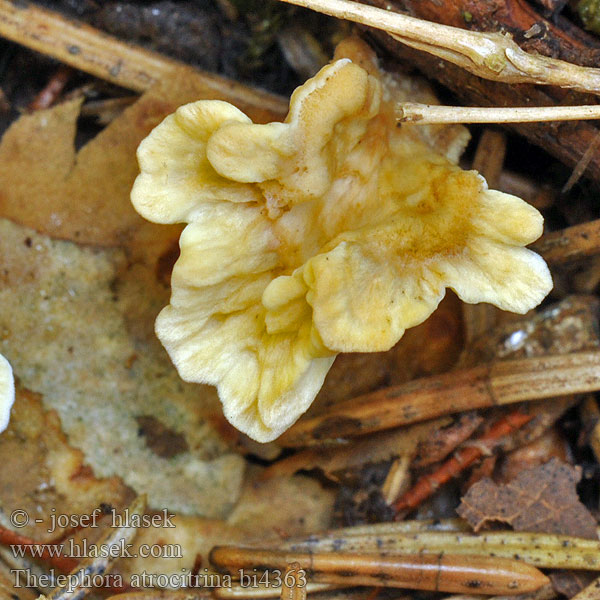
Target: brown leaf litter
543, 499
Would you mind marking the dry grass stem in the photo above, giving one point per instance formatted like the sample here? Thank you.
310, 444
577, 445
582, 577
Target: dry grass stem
495, 384
489, 55
426, 114
425, 572
397, 528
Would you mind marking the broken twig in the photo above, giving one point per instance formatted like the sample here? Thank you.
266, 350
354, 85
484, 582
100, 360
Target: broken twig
489, 55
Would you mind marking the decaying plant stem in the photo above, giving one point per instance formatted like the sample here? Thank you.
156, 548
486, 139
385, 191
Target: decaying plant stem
488, 55
541, 550
425, 572
484, 386
92, 51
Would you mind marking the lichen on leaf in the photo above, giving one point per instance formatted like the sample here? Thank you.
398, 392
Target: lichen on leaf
333, 231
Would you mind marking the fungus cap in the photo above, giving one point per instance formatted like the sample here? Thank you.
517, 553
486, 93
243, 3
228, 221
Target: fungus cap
7, 392
333, 231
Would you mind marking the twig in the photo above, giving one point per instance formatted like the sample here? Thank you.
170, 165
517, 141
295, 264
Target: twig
570, 244
489, 55
463, 459
540, 550
423, 572
333, 461
425, 114
89, 50
500, 383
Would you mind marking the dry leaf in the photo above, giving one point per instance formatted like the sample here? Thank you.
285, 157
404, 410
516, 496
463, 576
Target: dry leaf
84, 196
81, 196
543, 499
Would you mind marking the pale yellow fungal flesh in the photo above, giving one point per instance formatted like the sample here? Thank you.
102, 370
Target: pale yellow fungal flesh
7, 392
332, 232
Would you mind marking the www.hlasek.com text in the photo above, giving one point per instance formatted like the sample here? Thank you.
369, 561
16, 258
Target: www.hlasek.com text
83, 549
